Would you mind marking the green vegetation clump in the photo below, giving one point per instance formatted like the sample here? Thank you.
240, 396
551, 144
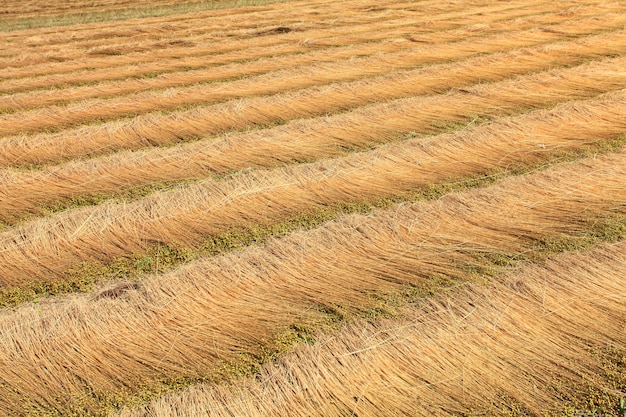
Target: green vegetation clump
112, 15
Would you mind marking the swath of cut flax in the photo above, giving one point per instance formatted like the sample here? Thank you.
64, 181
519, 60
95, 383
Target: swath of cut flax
332, 19
289, 55
287, 80
43, 249
299, 140
354, 22
157, 129
571, 125
528, 343
184, 323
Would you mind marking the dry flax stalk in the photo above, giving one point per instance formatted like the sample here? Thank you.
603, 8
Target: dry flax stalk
76, 350
290, 81
527, 342
240, 114
43, 249
290, 55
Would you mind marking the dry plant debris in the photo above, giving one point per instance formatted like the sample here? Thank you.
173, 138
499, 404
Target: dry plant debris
313, 208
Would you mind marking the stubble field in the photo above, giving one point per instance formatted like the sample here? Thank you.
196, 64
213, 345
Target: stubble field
355, 208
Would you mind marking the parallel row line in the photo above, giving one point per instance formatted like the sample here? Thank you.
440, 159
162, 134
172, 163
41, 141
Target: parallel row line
525, 342
298, 140
185, 323
291, 55
237, 49
43, 249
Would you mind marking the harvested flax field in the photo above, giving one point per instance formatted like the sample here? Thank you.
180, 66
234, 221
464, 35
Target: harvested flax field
320, 208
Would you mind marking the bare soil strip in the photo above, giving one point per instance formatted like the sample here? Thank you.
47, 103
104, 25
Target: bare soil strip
540, 341
43, 249
94, 352
156, 129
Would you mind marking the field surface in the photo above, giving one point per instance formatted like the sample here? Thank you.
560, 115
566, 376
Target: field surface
321, 208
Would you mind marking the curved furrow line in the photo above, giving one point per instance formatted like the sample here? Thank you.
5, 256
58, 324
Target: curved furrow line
395, 40
232, 51
95, 352
44, 249
300, 140
357, 23
525, 342
137, 41
159, 129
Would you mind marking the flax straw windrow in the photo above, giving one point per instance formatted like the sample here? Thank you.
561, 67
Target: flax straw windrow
184, 323
238, 114
273, 83
571, 125
540, 341
44, 248
313, 48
